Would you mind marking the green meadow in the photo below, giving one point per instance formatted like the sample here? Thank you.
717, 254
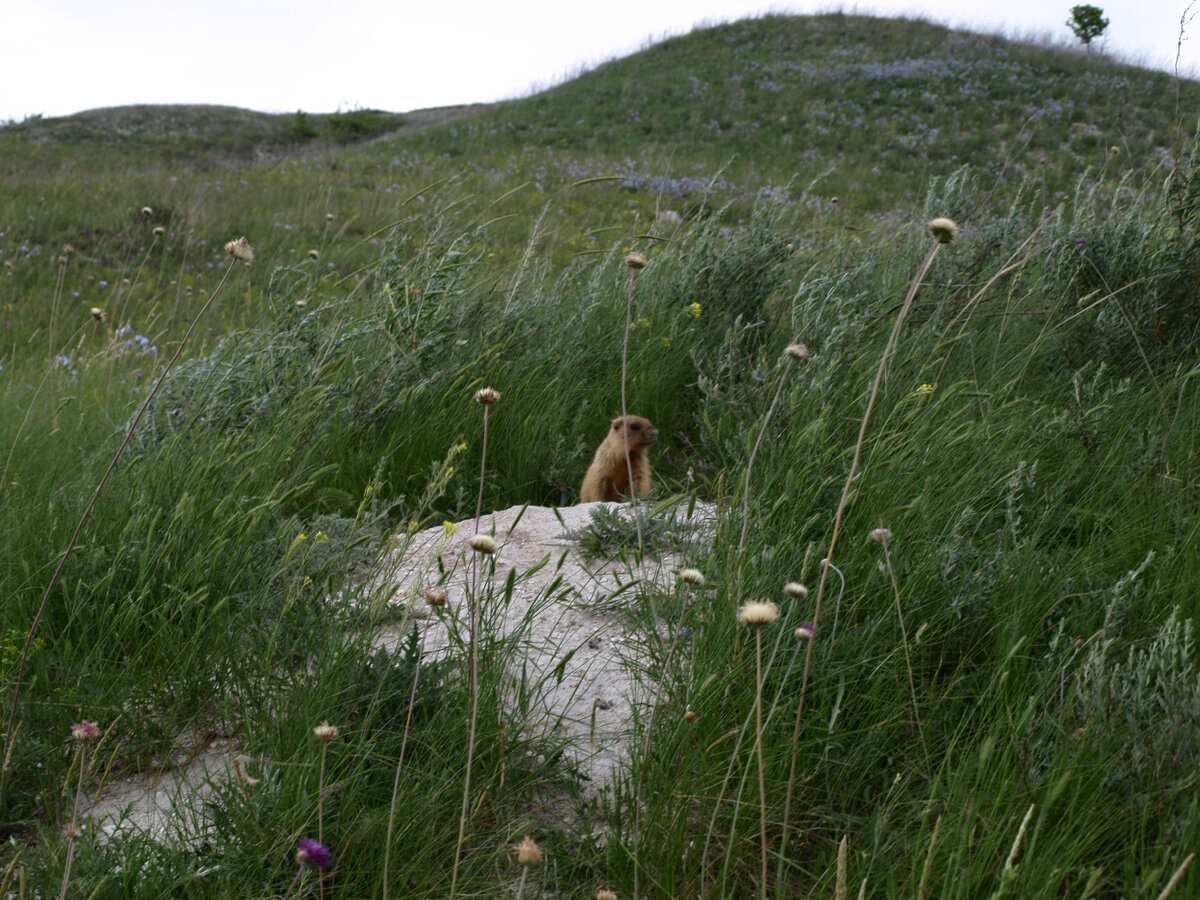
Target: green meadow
993, 689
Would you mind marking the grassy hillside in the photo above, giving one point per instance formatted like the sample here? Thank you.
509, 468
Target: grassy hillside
995, 690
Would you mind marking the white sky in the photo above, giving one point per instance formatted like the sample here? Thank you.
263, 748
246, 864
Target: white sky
64, 56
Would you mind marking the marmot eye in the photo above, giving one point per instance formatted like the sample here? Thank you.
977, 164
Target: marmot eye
636, 427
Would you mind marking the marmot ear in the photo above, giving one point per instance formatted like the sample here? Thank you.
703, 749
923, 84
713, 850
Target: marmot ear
617, 423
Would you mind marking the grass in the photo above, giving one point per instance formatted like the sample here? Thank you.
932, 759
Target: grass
1006, 704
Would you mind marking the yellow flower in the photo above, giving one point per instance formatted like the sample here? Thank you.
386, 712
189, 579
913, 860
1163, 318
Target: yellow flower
694, 310
642, 323
925, 389
450, 527
302, 537
666, 342
322, 536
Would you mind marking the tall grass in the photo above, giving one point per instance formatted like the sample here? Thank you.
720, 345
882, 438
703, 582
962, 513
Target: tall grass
1003, 707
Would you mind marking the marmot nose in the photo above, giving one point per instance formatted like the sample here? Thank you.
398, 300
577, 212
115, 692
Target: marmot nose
651, 435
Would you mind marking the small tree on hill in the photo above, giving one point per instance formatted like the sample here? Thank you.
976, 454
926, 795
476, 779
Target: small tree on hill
1088, 23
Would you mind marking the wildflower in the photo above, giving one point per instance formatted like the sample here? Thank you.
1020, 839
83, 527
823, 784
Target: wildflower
326, 732
636, 260
487, 396
1080, 242
449, 527
694, 310
797, 351
147, 211
692, 576
322, 536
944, 230
925, 389
314, 853
1114, 150
805, 631
71, 831
240, 249
159, 231
301, 537
757, 613
436, 596
483, 543
883, 535
301, 303
795, 589
86, 731
689, 716
314, 255
528, 852
328, 217
97, 314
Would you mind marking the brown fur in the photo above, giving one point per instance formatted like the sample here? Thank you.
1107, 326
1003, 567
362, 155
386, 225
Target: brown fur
608, 476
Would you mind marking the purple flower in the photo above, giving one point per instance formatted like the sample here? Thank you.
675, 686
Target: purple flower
1080, 242
314, 853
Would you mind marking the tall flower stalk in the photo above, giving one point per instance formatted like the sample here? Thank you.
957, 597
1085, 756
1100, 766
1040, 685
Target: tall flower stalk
483, 545
944, 231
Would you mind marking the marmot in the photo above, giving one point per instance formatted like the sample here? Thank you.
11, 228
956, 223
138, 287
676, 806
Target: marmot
608, 476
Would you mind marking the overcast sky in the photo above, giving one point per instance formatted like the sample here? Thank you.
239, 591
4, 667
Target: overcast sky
64, 56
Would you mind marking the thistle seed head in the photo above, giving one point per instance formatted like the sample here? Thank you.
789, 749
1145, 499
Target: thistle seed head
240, 249
483, 543
326, 732
528, 852
944, 230
757, 613
797, 351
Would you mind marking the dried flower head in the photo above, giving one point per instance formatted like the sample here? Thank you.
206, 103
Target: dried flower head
943, 230
159, 231
326, 732
313, 853
147, 211
691, 576
797, 351
636, 260
689, 716
805, 631
757, 613
240, 249
314, 254
795, 589
301, 303
328, 217
487, 396
605, 895
883, 535
86, 731
97, 314
1114, 150
72, 832
529, 853
436, 596
483, 543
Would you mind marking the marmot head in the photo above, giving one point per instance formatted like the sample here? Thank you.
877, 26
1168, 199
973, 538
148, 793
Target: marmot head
639, 431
